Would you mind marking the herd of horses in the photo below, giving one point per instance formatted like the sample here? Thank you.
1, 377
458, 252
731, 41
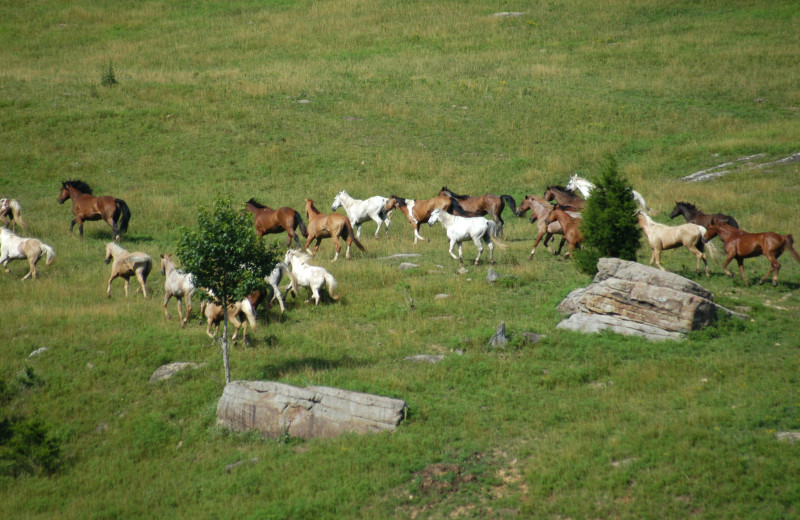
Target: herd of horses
556, 212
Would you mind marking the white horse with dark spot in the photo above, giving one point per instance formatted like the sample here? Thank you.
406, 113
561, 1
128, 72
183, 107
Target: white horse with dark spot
179, 284
13, 247
128, 264
459, 229
10, 213
585, 187
360, 211
307, 275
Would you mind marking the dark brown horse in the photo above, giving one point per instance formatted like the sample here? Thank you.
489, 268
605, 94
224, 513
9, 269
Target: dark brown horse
488, 204
418, 212
565, 197
268, 221
571, 226
741, 244
695, 216
86, 206
334, 225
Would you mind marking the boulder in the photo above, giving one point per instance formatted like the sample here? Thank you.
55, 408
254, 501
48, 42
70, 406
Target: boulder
276, 409
631, 298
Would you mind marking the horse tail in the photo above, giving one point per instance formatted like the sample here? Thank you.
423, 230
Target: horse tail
508, 199
789, 246
249, 312
15, 212
353, 236
298, 221
124, 217
330, 283
493, 235
51, 253
709, 247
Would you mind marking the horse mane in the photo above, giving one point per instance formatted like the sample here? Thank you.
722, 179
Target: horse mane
79, 185
562, 189
400, 200
255, 203
454, 195
688, 205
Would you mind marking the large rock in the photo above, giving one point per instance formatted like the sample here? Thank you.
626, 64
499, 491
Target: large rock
631, 298
275, 409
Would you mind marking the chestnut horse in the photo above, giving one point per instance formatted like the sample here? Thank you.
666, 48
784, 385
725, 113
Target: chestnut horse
571, 226
564, 197
741, 244
540, 210
488, 204
418, 212
268, 221
86, 206
695, 216
334, 225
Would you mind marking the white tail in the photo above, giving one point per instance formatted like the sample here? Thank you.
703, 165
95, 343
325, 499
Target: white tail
51, 253
330, 282
249, 312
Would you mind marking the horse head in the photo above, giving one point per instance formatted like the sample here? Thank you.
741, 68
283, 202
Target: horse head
573, 182
711, 230
337, 201
109, 253
676, 210
166, 260
435, 216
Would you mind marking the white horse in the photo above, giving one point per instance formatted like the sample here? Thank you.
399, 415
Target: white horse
306, 275
128, 264
586, 187
662, 237
13, 247
460, 229
10, 213
179, 284
360, 211
214, 315
274, 278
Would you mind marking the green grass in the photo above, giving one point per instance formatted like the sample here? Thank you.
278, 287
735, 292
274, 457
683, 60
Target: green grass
403, 99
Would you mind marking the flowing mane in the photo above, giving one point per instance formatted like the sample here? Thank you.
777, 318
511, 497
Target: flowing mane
689, 206
399, 200
79, 185
255, 203
562, 189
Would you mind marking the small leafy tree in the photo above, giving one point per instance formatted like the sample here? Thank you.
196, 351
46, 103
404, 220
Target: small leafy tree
610, 226
226, 259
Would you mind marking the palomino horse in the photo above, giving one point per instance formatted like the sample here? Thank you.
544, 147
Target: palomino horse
274, 278
333, 226
586, 187
662, 237
268, 221
360, 211
10, 213
179, 284
741, 244
128, 264
418, 212
695, 216
565, 197
307, 275
86, 206
13, 247
214, 315
488, 204
571, 226
540, 210
460, 229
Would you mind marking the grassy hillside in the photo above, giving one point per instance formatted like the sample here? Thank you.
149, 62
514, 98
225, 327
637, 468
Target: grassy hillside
288, 100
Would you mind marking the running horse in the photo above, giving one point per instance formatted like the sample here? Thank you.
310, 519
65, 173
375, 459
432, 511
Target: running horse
570, 225
662, 237
13, 247
540, 210
418, 212
267, 221
334, 225
86, 206
488, 204
695, 216
10, 213
565, 197
126, 264
741, 244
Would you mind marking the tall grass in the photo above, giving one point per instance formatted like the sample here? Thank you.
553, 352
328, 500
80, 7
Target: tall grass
402, 98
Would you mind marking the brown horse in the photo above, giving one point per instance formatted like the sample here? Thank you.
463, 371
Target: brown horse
268, 221
741, 244
334, 225
571, 226
488, 204
695, 216
418, 212
540, 210
564, 197
86, 206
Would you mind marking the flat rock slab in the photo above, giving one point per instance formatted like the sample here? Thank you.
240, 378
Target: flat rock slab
169, 370
276, 409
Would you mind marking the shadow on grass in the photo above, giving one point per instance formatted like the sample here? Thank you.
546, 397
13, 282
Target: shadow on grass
294, 366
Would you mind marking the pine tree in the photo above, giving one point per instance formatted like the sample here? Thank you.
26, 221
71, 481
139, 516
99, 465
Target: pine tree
610, 227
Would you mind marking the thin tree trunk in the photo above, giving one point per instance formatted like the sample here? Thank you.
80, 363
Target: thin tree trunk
225, 347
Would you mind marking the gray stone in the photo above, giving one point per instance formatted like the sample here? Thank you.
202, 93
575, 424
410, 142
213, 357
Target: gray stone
276, 409
404, 266
532, 338
499, 339
38, 351
169, 370
492, 276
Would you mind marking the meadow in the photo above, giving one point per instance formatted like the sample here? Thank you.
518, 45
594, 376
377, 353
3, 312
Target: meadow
291, 99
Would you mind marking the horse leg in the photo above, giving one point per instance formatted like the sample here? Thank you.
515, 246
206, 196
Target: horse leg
460, 254
725, 265
110, 221
536, 243
142, 282
490, 245
127, 283
338, 248
167, 296
417, 235
108, 291
276, 295
477, 242
188, 309
561, 245
315, 293
32, 270
700, 256
291, 235
741, 268
774, 266
452, 245
378, 220
71, 226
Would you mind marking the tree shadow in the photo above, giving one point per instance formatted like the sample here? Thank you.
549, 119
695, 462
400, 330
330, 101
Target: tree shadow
294, 366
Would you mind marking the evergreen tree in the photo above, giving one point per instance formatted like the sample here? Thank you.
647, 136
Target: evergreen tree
610, 227
226, 259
